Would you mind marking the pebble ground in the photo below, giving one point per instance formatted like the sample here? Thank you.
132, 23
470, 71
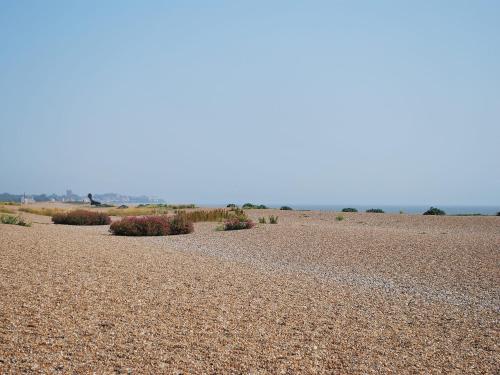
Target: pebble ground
374, 293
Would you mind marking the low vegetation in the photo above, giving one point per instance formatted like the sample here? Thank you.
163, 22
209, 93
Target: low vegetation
262, 220
10, 203
42, 211
180, 224
14, 220
81, 217
349, 209
434, 211
218, 214
273, 219
6, 210
375, 210
231, 205
168, 206
137, 211
286, 208
161, 225
237, 223
498, 213
254, 206
339, 218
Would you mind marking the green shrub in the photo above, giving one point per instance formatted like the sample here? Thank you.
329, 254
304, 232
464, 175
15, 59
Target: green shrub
231, 205
375, 211
339, 218
262, 220
434, 211
349, 209
254, 206
81, 217
14, 220
273, 219
286, 208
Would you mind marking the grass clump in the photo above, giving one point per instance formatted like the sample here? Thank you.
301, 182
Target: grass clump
152, 226
42, 211
434, 211
273, 219
249, 206
81, 217
218, 214
262, 220
339, 218
180, 224
10, 203
375, 210
286, 208
349, 209
14, 220
137, 211
6, 210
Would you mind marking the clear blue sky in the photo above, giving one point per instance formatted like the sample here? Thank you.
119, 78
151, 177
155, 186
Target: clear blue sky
389, 102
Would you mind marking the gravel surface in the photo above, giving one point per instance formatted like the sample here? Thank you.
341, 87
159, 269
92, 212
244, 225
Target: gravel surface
374, 293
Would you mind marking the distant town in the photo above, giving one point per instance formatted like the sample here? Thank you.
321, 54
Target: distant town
72, 197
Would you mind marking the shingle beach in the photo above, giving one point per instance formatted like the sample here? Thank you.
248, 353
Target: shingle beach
373, 293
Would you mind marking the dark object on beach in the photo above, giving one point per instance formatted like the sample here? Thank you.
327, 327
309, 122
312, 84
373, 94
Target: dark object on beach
93, 202
498, 213
349, 209
81, 217
434, 211
286, 208
231, 205
375, 210
122, 206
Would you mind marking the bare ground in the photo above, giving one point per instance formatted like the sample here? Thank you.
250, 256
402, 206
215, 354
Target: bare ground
370, 294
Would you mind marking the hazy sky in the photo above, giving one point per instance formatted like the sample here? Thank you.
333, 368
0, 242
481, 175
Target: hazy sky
388, 102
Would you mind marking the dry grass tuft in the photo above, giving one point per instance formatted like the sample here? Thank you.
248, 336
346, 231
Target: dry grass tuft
42, 211
6, 210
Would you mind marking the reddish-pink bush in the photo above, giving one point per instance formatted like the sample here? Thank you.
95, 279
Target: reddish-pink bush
81, 217
151, 226
236, 223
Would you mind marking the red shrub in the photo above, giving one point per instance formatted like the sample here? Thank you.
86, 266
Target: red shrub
141, 226
236, 223
81, 217
151, 226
